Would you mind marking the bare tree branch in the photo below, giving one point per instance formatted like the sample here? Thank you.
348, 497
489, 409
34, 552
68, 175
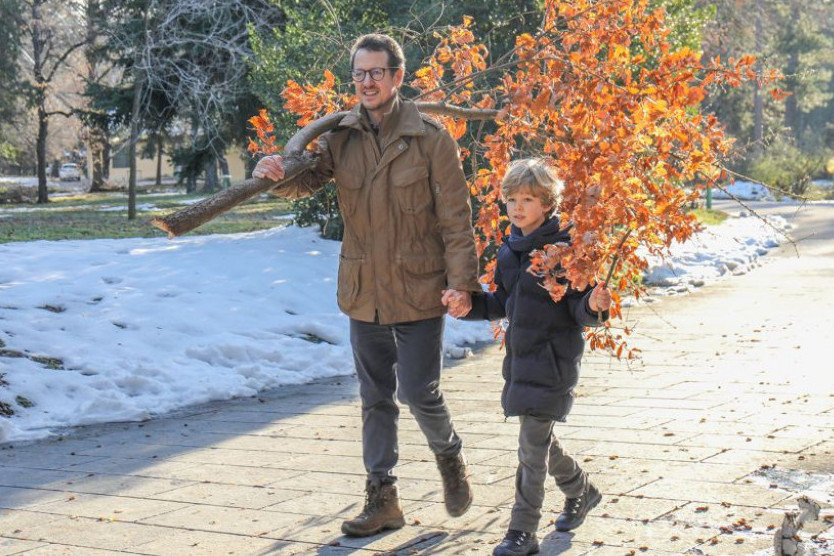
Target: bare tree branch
296, 160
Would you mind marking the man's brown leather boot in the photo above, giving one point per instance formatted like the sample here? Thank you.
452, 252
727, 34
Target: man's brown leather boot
457, 493
382, 511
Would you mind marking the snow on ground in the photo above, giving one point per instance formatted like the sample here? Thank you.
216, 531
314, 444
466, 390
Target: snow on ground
733, 248
114, 330
21, 181
743, 190
145, 326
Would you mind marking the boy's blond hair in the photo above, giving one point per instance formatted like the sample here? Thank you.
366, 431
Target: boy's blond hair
536, 176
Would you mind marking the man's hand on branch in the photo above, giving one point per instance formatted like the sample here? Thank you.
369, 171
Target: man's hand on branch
269, 167
600, 298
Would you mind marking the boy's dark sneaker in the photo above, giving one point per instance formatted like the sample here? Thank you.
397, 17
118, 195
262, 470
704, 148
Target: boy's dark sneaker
517, 543
577, 508
457, 492
382, 511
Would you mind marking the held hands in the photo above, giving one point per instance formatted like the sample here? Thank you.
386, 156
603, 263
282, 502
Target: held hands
600, 299
269, 167
457, 302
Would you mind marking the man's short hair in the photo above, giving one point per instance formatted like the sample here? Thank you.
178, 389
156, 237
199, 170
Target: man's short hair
536, 176
377, 42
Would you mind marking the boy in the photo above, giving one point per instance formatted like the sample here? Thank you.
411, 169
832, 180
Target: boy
544, 346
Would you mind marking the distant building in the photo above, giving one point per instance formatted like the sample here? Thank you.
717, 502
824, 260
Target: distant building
146, 167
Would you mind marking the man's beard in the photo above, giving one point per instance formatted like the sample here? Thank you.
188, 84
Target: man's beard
384, 107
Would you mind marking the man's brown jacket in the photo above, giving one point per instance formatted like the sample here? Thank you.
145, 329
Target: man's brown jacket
405, 205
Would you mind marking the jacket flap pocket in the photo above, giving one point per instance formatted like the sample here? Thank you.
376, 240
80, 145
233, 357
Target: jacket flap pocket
408, 176
423, 264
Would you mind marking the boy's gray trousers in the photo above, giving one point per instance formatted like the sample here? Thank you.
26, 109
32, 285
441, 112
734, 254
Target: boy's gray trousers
402, 360
540, 454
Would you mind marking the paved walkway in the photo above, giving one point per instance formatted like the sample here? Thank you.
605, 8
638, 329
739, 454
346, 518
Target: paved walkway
735, 379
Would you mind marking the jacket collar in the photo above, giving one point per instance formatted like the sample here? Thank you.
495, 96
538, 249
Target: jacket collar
402, 120
548, 233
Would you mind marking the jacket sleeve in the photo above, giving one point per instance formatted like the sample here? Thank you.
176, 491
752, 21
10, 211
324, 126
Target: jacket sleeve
489, 305
454, 213
580, 308
308, 182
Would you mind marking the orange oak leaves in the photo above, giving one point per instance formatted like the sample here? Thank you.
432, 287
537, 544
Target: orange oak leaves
600, 93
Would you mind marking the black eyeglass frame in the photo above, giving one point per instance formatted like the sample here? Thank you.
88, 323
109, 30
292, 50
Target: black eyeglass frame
354, 73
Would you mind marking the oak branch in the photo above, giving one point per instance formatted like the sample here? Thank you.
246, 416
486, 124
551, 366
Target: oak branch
296, 159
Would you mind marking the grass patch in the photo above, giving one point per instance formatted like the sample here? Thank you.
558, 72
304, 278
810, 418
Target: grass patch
819, 193
52, 363
710, 217
104, 216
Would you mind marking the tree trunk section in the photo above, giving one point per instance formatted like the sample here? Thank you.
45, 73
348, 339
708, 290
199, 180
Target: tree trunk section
131, 152
183, 221
43, 126
211, 175
38, 43
159, 159
95, 134
95, 148
105, 157
758, 100
792, 122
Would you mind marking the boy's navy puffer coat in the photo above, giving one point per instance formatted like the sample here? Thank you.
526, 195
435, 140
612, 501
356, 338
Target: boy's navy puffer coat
544, 340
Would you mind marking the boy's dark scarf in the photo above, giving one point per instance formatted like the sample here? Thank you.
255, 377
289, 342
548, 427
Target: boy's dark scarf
546, 234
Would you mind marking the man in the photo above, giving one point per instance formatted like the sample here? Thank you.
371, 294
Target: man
407, 238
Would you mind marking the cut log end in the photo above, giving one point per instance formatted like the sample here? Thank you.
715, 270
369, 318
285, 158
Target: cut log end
160, 223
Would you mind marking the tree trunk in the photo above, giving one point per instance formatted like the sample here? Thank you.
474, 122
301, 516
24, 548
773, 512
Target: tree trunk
758, 100
191, 183
158, 159
791, 78
96, 158
95, 133
105, 157
138, 87
224, 171
38, 42
43, 125
211, 175
183, 221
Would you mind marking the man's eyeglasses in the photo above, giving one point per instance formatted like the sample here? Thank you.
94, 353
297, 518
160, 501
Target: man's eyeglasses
377, 74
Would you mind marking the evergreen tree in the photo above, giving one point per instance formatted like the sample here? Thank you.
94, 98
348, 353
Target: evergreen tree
10, 39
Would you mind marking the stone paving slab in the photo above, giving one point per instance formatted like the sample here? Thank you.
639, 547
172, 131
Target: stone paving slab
15, 546
59, 550
729, 384
90, 533
202, 543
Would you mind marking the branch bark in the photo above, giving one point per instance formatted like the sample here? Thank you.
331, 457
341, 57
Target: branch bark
296, 160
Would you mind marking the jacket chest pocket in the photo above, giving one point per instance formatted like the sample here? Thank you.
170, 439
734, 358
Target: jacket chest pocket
349, 189
411, 188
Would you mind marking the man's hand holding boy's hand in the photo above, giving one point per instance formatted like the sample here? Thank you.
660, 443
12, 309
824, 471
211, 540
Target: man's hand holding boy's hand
457, 302
600, 298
